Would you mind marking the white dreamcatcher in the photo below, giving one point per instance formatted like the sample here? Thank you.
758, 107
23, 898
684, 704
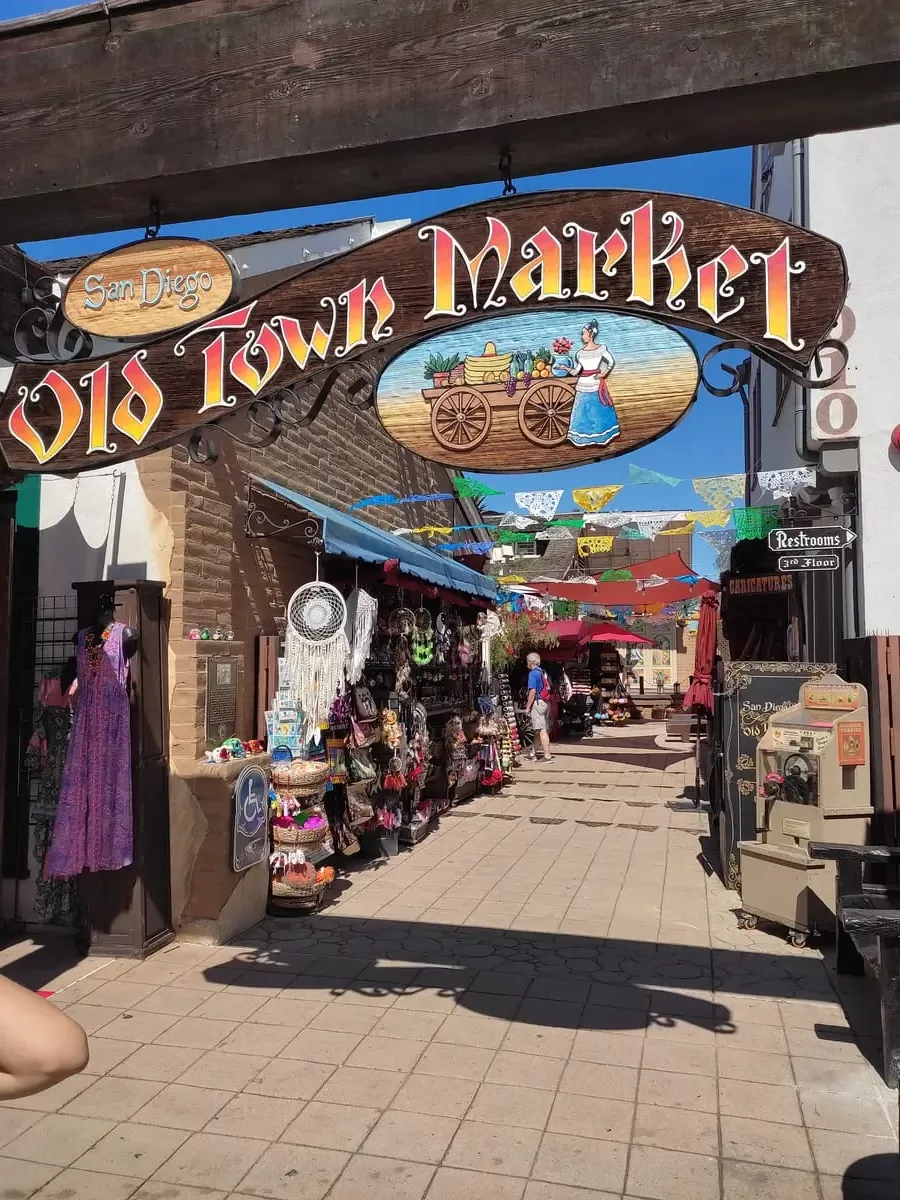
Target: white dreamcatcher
362, 618
316, 651
489, 626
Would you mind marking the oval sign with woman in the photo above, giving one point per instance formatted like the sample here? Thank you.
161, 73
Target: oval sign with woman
512, 393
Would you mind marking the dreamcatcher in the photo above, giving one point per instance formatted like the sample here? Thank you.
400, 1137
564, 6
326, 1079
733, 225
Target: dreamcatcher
443, 640
489, 627
316, 651
402, 622
423, 639
465, 649
362, 619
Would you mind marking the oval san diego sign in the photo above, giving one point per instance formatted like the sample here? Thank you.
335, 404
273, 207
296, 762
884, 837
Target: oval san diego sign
148, 288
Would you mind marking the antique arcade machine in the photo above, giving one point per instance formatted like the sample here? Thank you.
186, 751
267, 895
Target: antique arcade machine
812, 774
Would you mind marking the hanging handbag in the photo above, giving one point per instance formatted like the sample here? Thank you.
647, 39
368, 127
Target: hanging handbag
364, 705
364, 733
361, 765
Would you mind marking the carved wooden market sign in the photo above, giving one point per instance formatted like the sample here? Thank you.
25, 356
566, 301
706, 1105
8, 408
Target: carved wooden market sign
560, 369
148, 288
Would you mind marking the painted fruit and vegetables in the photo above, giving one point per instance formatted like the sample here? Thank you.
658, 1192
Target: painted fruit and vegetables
515, 369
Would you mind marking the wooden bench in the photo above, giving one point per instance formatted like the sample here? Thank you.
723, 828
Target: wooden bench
868, 928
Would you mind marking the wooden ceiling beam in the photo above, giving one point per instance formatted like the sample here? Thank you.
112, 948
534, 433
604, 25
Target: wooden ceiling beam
214, 107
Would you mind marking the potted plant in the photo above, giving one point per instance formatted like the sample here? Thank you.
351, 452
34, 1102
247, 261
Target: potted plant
438, 368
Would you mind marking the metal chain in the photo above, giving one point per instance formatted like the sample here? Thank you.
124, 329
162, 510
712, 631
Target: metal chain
154, 222
505, 169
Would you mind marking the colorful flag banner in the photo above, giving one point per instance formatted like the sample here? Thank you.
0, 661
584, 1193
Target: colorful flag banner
651, 581
539, 504
473, 489
611, 520
721, 541
639, 475
507, 536
618, 575
466, 547
553, 534
425, 499
592, 499
595, 545
691, 579
786, 483
755, 522
568, 523
649, 527
688, 527
711, 516
516, 521
402, 532
371, 501
720, 490
511, 579
632, 535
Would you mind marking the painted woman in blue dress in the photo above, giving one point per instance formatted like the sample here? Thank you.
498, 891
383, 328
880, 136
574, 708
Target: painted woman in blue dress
594, 420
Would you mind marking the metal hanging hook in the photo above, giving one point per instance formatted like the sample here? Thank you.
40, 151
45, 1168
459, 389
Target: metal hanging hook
154, 222
505, 168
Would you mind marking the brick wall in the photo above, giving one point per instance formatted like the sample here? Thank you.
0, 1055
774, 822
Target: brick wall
220, 577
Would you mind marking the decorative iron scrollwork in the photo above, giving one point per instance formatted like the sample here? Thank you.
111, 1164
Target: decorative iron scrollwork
42, 331
740, 372
259, 524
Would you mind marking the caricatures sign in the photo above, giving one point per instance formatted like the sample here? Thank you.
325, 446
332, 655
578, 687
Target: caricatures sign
148, 288
569, 256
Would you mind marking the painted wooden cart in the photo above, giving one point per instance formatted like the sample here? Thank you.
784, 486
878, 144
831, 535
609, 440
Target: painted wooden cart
461, 414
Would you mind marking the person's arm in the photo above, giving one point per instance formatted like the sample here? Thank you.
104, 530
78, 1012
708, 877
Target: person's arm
39, 1044
531, 697
608, 360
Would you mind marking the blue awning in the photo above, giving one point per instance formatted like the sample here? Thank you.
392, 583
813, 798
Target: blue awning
346, 535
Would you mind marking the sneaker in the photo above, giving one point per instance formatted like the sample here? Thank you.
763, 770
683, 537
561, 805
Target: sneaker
548, 758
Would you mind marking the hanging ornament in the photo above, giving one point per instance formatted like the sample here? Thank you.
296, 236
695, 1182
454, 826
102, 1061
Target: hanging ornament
711, 516
720, 490
786, 483
473, 489
316, 652
595, 545
752, 523
362, 617
639, 475
539, 504
592, 499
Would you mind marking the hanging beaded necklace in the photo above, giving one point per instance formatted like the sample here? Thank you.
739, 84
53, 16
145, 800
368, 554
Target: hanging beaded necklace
94, 648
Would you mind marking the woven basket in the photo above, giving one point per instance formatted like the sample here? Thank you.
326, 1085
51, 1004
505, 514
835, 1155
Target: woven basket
299, 774
302, 791
284, 835
302, 895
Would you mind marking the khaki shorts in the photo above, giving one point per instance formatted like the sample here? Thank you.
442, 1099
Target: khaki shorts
538, 715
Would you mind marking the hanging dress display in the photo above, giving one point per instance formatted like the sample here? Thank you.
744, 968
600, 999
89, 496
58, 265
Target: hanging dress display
93, 828
54, 899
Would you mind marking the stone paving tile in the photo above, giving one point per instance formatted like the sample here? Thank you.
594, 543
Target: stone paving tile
536, 1011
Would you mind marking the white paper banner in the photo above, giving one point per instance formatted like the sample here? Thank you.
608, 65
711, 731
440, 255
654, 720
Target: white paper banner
615, 520
516, 521
558, 533
539, 504
786, 483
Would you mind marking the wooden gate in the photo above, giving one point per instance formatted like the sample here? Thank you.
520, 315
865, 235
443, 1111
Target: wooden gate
875, 663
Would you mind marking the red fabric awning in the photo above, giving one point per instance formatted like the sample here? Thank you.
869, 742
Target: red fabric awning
567, 631
627, 592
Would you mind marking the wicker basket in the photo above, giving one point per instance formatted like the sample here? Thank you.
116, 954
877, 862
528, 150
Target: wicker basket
284, 835
300, 895
299, 774
300, 791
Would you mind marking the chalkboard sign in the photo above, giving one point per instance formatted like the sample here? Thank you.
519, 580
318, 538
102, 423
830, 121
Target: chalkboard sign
749, 694
251, 806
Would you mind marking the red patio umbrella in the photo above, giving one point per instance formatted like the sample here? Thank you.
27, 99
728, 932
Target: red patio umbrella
699, 694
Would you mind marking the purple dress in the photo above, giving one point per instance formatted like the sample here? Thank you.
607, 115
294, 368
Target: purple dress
93, 827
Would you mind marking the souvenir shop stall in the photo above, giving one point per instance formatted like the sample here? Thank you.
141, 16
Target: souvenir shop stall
381, 710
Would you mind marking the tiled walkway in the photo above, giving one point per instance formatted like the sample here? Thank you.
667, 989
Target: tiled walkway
549, 999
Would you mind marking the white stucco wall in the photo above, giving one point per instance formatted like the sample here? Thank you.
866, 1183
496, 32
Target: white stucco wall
854, 182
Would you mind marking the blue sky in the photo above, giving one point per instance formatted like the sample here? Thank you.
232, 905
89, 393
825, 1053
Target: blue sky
708, 441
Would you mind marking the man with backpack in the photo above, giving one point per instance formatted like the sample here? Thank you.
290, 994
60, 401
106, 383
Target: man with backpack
537, 705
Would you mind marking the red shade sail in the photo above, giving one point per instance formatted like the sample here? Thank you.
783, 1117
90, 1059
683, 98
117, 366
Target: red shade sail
627, 592
699, 694
608, 632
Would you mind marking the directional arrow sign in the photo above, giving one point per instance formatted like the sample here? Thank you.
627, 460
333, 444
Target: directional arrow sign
809, 562
811, 538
